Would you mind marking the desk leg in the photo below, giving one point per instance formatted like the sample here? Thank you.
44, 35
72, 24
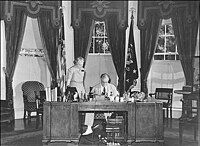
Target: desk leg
131, 123
74, 123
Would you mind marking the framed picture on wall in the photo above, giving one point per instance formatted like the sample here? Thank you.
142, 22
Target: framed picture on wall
196, 76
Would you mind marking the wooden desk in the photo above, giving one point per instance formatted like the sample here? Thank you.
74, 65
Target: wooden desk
61, 120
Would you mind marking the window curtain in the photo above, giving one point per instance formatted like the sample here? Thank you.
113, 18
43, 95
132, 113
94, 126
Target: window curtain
117, 39
83, 35
148, 39
186, 34
50, 38
14, 36
1, 10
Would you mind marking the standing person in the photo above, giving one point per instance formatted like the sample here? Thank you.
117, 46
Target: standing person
76, 76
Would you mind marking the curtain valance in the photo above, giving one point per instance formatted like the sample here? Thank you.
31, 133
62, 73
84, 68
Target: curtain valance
33, 9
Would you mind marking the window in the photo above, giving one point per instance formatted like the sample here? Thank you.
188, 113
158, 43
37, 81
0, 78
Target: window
166, 48
99, 44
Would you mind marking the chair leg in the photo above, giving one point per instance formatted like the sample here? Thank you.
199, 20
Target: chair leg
170, 117
195, 133
180, 134
24, 114
42, 119
163, 115
24, 118
37, 120
167, 115
29, 117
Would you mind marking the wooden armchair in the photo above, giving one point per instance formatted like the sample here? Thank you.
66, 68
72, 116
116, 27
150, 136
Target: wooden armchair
189, 114
33, 102
165, 95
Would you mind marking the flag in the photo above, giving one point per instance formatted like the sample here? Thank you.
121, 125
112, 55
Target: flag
61, 59
131, 72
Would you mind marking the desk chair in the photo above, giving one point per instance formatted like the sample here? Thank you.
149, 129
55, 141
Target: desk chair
189, 115
165, 95
32, 102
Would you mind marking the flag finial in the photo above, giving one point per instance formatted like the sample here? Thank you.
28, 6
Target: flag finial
132, 9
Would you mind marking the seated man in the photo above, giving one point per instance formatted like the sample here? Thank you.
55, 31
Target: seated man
96, 122
104, 90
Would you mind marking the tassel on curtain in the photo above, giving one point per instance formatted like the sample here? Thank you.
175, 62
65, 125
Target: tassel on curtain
148, 39
117, 39
14, 36
50, 38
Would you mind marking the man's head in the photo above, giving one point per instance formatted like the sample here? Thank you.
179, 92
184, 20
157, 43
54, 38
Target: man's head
105, 79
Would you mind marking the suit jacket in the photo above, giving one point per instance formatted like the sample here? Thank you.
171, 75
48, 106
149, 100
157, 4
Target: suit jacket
111, 90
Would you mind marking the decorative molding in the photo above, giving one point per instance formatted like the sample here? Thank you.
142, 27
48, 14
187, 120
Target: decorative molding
100, 5
99, 9
164, 10
33, 8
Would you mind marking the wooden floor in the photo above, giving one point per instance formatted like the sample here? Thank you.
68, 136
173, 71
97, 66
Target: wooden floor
28, 135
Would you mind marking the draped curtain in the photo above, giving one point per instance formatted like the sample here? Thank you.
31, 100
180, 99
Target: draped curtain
14, 36
148, 39
50, 38
185, 25
117, 39
83, 35
186, 34
1, 10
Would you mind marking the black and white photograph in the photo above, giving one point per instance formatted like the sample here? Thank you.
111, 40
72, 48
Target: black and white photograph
100, 73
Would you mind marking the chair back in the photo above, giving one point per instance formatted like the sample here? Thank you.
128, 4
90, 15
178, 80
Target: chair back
29, 88
164, 94
41, 98
190, 105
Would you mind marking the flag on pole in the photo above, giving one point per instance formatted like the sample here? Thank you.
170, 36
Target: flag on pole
131, 73
61, 59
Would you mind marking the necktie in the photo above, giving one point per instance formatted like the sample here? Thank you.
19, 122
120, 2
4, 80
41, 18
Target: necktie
104, 91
